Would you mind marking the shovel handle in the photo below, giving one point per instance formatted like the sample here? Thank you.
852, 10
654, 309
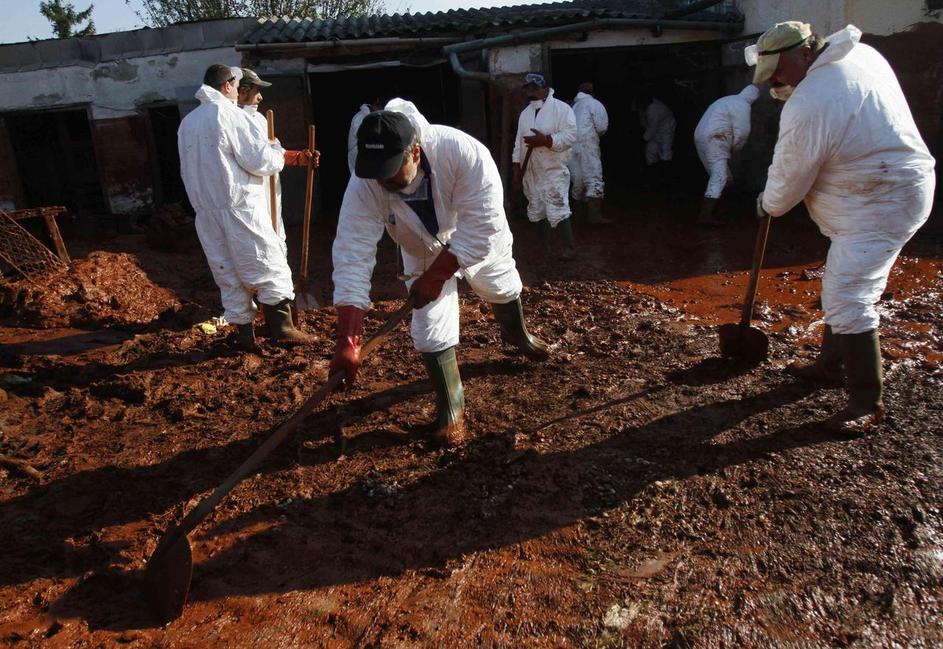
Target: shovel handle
309, 199
207, 505
759, 251
270, 119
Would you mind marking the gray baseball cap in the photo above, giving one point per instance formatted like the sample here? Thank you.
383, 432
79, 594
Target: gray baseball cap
250, 78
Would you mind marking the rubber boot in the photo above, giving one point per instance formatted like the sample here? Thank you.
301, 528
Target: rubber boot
280, 328
827, 368
544, 229
861, 357
708, 214
578, 207
568, 251
510, 317
449, 396
594, 214
245, 337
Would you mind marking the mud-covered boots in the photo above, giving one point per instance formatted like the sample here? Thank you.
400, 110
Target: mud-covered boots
510, 317
544, 230
861, 357
245, 337
280, 327
827, 368
594, 214
708, 214
449, 396
568, 251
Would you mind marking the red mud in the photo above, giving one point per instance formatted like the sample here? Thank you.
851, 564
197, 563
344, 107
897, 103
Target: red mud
634, 491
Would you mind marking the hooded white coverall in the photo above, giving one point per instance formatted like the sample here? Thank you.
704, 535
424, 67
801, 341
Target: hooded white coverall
469, 206
659, 124
723, 129
261, 125
592, 122
223, 163
547, 178
849, 146
352, 135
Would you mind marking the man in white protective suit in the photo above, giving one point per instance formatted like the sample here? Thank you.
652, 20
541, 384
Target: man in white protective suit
592, 122
365, 109
849, 147
723, 130
223, 163
250, 96
658, 130
546, 131
437, 193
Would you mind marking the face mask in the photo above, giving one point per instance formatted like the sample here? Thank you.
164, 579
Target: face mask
782, 93
537, 103
411, 188
252, 108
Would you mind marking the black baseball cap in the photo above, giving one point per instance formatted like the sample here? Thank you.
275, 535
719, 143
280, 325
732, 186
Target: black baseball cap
382, 139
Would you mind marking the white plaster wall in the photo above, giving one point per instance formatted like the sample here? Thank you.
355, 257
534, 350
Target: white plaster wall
115, 88
825, 16
883, 18
514, 60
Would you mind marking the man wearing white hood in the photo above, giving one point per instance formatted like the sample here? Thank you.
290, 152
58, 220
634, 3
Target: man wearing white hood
437, 192
223, 163
723, 130
592, 122
848, 146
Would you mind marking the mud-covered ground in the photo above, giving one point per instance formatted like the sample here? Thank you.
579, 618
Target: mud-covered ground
634, 491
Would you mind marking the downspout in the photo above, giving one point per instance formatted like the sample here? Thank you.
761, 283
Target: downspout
657, 24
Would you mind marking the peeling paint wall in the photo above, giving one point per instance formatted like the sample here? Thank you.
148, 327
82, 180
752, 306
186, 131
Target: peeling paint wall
121, 147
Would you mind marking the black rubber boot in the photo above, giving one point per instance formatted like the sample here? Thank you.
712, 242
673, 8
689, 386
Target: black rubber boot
280, 328
827, 368
544, 229
594, 215
708, 215
510, 317
568, 251
861, 357
449, 396
245, 337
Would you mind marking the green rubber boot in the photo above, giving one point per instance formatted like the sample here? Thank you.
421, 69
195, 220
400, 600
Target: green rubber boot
510, 317
449, 396
245, 337
861, 357
544, 229
280, 327
827, 368
566, 236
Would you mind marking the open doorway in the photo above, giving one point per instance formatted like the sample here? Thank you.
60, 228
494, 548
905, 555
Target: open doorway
164, 120
338, 95
56, 160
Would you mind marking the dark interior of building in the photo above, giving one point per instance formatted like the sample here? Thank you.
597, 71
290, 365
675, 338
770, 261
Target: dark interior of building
168, 185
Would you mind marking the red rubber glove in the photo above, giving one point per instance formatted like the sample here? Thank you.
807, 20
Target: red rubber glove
538, 139
301, 158
428, 286
349, 340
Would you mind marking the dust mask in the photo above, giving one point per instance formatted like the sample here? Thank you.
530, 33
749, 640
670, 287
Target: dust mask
537, 103
782, 93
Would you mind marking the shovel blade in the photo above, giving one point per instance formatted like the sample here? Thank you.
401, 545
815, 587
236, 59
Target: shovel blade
745, 343
304, 299
168, 574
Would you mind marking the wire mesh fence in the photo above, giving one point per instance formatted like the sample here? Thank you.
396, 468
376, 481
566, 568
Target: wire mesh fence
23, 252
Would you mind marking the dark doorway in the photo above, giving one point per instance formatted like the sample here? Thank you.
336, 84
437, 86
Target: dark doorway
687, 77
337, 96
56, 160
168, 185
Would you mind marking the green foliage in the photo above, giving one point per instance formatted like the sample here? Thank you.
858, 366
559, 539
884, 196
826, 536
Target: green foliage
64, 18
159, 13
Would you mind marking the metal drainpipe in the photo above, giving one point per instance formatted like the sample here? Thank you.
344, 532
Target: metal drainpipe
483, 44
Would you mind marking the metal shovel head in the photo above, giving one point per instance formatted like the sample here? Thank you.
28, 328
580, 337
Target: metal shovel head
168, 574
743, 342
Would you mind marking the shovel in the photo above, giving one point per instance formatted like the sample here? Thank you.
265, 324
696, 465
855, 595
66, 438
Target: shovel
304, 299
743, 341
170, 568
273, 203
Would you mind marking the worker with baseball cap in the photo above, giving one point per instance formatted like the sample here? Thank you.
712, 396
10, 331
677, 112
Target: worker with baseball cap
438, 193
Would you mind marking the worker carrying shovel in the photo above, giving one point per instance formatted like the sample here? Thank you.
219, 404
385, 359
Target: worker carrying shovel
848, 146
437, 192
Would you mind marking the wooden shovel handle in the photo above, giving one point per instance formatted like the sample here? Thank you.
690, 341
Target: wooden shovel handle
758, 252
207, 505
309, 199
270, 118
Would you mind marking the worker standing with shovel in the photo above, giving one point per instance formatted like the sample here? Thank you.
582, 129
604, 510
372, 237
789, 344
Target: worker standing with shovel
437, 192
848, 146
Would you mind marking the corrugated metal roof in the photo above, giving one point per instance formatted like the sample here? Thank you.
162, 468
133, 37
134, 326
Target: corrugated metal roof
459, 21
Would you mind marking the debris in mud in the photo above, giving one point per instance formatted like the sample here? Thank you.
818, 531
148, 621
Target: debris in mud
103, 290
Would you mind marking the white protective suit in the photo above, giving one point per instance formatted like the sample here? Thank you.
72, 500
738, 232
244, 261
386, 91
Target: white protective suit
547, 178
723, 129
261, 125
469, 205
592, 122
659, 124
223, 163
849, 146
352, 136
